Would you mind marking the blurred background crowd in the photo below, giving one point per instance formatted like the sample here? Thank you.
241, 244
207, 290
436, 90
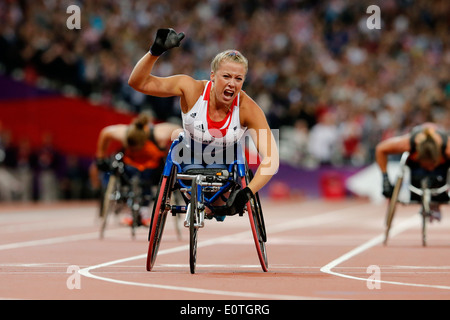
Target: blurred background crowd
331, 86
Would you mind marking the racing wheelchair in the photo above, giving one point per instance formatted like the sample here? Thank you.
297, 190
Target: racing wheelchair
122, 192
429, 190
200, 189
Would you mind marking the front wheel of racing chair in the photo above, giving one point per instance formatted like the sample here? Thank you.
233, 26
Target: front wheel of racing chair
113, 199
108, 203
392, 205
134, 202
196, 214
121, 191
424, 192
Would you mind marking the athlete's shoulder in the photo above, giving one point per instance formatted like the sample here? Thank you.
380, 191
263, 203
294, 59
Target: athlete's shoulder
192, 85
249, 110
246, 102
192, 90
115, 128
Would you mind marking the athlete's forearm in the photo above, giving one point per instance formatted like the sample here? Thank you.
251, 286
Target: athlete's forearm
260, 180
381, 159
394, 145
266, 170
102, 146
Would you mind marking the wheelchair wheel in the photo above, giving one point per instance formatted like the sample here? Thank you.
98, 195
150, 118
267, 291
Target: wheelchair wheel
108, 203
257, 224
135, 205
424, 229
426, 211
159, 216
193, 228
392, 207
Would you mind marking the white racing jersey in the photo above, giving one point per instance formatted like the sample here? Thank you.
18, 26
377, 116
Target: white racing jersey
201, 129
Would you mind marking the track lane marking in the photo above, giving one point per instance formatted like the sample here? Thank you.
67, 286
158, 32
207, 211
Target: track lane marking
412, 221
56, 240
86, 272
331, 216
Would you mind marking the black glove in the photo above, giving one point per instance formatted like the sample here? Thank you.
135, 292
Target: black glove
165, 39
103, 164
388, 189
238, 199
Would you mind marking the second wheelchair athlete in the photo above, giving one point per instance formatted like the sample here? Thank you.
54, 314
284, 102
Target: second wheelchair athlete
429, 148
145, 146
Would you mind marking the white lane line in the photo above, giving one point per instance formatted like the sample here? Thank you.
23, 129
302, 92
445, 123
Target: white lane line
318, 219
56, 240
34, 243
369, 244
252, 295
228, 266
299, 223
421, 267
86, 272
37, 265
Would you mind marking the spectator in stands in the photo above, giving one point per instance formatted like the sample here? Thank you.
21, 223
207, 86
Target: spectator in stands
305, 52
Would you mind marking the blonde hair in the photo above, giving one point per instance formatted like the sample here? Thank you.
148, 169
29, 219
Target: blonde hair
229, 55
428, 149
136, 135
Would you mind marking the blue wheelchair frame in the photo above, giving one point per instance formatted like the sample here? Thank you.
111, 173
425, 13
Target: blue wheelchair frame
207, 201
204, 180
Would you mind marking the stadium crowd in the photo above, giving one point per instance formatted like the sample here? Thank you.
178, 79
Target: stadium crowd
332, 86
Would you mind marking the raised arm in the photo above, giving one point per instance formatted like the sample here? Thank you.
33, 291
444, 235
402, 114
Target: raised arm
143, 81
141, 78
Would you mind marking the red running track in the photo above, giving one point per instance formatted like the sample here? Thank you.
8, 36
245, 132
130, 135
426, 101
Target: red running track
316, 250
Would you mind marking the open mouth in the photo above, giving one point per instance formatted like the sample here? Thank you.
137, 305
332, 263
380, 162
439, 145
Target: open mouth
228, 93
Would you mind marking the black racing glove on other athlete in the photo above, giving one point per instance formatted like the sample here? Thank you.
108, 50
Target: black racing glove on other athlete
103, 164
388, 189
165, 39
238, 199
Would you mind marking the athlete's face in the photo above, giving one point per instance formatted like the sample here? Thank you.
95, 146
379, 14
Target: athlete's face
228, 81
